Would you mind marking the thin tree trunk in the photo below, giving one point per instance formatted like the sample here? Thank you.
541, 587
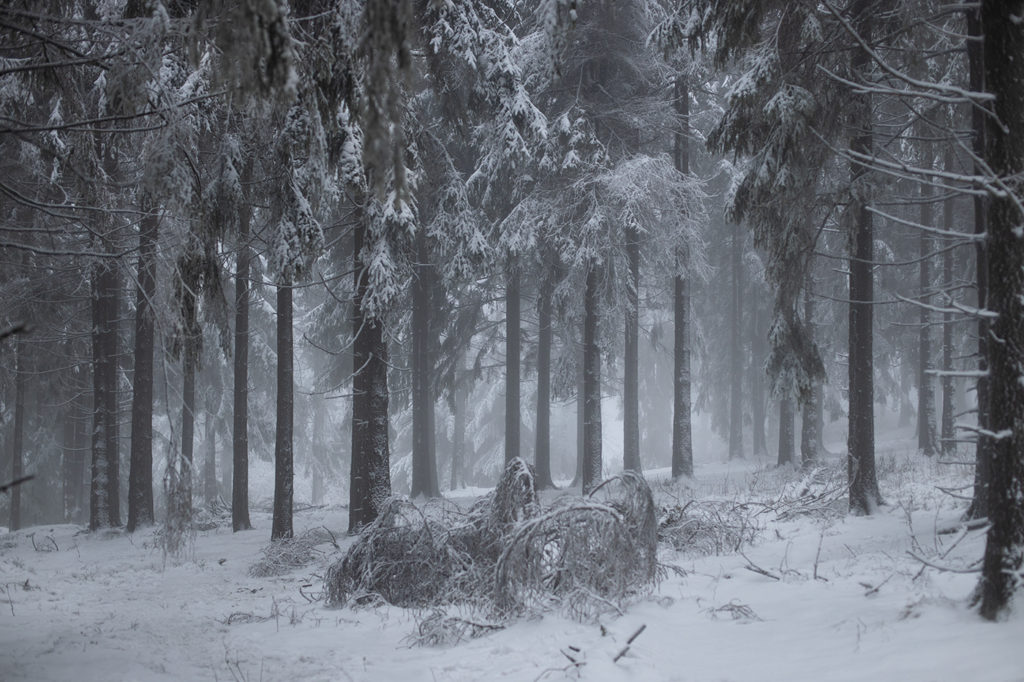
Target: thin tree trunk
370, 483
213, 400
925, 380
512, 354
284, 459
983, 453
81, 446
140, 472
592, 465
682, 442
631, 378
947, 436
458, 402
1004, 152
809, 435
580, 416
542, 455
736, 349
240, 388
424, 468
864, 494
317, 462
188, 412
787, 432
18, 444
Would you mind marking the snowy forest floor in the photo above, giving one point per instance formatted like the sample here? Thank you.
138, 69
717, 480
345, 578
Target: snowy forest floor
844, 601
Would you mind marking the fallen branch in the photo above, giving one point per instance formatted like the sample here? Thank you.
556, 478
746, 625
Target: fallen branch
751, 566
629, 642
944, 569
18, 481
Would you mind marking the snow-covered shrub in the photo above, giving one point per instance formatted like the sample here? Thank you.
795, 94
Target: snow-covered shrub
506, 555
707, 527
288, 554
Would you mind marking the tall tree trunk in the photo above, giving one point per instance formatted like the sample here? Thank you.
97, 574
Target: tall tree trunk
318, 469
983, 452
787, 432
580, 415
512, 354
592, 464
214, 393
809, 435
925, 380
542, 454
947, 439
140, 471
190, 360
631, 378
735, 348
682, 441
424, 467
1004, 152
103, 499
757, 387
284, 459
81, 445
864, 494
458, 404
370, 483
240, 387
18, 444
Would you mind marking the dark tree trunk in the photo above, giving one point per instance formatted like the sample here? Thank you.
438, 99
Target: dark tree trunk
787, 432
948, 435
284, 459
18, 444
103, 499
542, 455
682, 441
140, 472
809, 434
983, 453
240, 388
925, 380
512, 321
592, 464
759, 439
580, 417
424, 463
370, 482
1004, 152
317, 465
864, 494
736, 348
631, 378
458, 402
78, 504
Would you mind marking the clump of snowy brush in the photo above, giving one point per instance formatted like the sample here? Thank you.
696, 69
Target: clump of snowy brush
507, 556
283, 556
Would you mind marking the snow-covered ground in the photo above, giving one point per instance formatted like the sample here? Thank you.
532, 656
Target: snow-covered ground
846, 602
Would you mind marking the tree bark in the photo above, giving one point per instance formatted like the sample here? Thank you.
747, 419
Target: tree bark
284, 458
512, 355
925, 381
592, 464
542, 453
240, 388
140, 472
983, 451
631, 378
213, 400
736, 348
103, 499
1004, 152
190, 360
682, 441
787, 432
864, 494
370, 474
947, 439
759, 440
424, 466
18, 438
810, 438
